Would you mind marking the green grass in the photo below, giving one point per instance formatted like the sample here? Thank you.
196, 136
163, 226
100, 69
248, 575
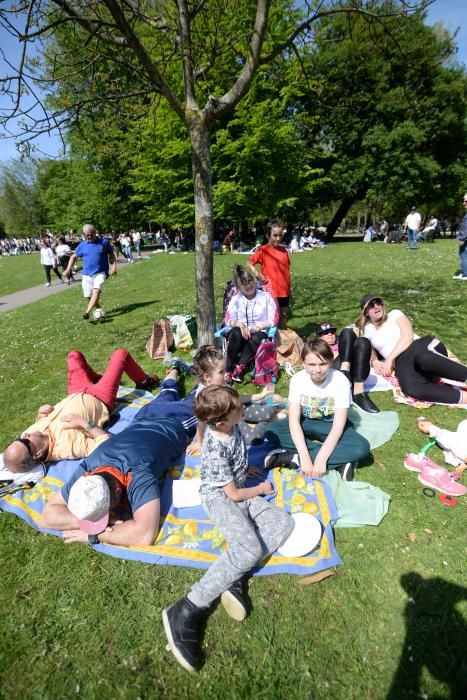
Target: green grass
20, 272
78, 624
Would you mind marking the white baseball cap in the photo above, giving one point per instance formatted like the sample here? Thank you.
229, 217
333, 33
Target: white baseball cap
89, 502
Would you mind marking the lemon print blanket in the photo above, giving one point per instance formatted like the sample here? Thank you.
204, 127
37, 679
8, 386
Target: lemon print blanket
187, 537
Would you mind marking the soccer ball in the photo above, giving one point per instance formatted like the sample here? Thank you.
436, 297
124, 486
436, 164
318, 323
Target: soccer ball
98, 314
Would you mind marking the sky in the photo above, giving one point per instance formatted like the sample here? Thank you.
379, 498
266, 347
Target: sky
453, 14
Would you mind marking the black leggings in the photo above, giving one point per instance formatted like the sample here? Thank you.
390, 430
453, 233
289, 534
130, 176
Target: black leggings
238, 346
47, 269
355, 350
420, 366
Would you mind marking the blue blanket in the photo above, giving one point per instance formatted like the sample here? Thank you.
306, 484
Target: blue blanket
187, 537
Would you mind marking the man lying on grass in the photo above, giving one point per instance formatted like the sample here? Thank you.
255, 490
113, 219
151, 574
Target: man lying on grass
73, 428
123, 471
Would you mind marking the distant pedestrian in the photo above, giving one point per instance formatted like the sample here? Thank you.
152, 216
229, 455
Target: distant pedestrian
411, 228
49, 262
462, 240
63, 253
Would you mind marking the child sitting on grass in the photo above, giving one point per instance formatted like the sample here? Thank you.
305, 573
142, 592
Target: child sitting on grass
252, 527
318, 435
209, 366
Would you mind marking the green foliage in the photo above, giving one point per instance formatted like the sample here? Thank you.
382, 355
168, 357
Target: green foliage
391, 111
20, 211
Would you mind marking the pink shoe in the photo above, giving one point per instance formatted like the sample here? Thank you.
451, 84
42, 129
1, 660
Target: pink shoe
440, 480
416, 462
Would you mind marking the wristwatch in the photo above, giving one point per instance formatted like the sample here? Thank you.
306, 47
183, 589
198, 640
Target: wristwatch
90, 425
93, 539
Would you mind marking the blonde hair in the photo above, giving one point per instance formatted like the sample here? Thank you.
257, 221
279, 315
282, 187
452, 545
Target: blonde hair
362, 319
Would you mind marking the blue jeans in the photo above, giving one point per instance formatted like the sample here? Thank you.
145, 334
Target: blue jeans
463, 258
411, 237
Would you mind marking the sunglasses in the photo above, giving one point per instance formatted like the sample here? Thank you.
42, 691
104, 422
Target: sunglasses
374, 302
27, 443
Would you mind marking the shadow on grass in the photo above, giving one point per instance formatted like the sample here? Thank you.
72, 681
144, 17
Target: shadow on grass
128, 308
435, 638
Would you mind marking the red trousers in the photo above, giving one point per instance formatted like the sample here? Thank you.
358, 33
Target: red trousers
82, 377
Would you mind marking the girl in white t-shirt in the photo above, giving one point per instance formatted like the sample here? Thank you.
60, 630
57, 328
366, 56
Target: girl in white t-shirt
318, 435
418, 363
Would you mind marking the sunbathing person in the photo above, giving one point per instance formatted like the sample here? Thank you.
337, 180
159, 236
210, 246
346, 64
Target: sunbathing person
74, 427
122, 470
418, 363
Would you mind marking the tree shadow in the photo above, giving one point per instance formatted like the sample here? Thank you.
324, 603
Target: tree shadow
118, 311
435, 638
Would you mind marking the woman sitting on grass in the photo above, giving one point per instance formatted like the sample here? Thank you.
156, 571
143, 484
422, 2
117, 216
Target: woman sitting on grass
318, 435
418, 363
250, 314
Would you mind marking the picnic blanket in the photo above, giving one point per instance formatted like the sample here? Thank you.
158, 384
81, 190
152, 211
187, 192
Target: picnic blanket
400, 397
187, 537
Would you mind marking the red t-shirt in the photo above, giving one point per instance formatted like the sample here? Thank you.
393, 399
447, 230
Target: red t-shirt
275, 264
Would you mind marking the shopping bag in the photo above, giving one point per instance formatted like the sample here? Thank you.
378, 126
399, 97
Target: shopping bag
161, 339
289, 346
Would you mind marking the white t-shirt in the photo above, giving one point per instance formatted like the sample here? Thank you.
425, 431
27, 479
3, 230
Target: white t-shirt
62, 249
47, 256
385, 338
320, 400
413, 220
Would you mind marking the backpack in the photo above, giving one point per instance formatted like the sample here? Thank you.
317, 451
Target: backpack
265, 371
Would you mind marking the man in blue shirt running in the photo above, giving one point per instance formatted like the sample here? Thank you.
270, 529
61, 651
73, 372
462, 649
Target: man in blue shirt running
98, 262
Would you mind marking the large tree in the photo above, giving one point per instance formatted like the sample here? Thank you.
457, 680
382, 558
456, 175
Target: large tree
20, 209
391, 112
164, 45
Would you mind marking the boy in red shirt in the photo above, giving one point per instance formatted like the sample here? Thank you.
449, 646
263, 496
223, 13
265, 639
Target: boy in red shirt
275, 267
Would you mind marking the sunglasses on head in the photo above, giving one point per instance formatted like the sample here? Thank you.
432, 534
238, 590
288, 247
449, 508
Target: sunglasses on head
27, 443
374, 302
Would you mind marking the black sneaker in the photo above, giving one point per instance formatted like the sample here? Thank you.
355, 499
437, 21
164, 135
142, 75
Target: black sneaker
347, 471
279, 458
234, 601
181, 622
150, 383
364, 402
85, 315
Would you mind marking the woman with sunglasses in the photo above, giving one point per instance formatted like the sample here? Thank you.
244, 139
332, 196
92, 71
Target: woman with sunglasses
418, 363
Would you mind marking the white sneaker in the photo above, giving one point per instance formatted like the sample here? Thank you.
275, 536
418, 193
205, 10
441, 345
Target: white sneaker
48, 284
289, 370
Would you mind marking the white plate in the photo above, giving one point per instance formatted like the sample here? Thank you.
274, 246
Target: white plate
304, 537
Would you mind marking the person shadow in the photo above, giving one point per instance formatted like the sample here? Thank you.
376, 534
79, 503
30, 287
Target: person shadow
435, 638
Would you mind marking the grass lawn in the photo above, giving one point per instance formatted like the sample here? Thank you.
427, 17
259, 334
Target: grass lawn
390, 624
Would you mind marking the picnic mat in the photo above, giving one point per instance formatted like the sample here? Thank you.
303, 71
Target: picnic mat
400, 397
187, 537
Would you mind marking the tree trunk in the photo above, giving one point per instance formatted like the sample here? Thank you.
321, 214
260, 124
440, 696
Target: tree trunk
204, 228
343, 210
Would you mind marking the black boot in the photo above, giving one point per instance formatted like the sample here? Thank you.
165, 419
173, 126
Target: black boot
280, 458
364, 402
181, 623
235, 601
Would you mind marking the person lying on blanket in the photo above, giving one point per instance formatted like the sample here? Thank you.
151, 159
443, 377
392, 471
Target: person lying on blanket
124, 470
73, 428
418, 363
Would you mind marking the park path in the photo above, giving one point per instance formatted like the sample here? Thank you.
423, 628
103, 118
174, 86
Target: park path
29, 296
